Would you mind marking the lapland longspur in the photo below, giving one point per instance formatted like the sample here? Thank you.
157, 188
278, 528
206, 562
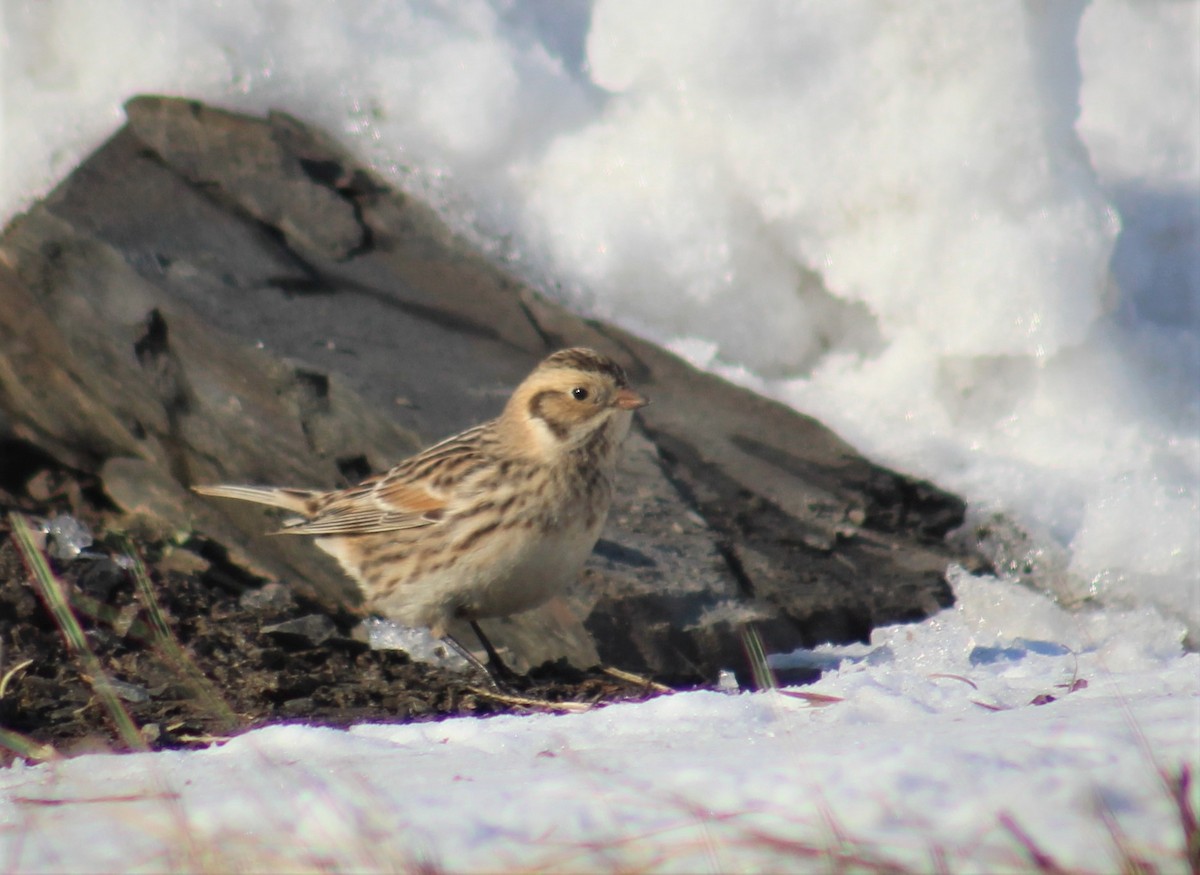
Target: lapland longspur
490, 522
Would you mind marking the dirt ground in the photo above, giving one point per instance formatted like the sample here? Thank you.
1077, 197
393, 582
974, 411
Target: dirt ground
235, 654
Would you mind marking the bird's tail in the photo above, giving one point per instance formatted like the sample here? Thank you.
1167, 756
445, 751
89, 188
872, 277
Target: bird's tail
299, 501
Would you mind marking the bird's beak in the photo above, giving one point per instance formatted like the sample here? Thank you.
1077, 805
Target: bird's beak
627, 399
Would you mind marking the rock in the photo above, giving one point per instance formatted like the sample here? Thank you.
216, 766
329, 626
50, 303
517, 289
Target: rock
270, 597
311, 630
100, 576
212, 297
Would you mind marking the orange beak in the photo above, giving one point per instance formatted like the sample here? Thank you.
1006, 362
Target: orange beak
627, 399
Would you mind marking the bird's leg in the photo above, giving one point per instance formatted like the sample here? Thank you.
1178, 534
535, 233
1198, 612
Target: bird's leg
498, 674
452, 642
496, 668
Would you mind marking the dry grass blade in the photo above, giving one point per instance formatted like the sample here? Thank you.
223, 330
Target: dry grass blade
631, 678
51, 802
988, 706
537, 704
171, 650
1131, 862
764, 677
954, 677
12, 673
1180, 786
818, 700
51, 592
1042, 861
204, 738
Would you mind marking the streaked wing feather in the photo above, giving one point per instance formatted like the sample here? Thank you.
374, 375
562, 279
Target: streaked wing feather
390, 496
295, 500
402, 498
364, 521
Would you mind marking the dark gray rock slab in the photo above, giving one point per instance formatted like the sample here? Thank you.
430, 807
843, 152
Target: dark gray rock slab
212, 297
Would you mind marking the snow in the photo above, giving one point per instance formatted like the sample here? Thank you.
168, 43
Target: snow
965, 235
929, 746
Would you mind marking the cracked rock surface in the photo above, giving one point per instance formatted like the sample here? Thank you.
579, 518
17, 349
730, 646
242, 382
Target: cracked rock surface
213, 297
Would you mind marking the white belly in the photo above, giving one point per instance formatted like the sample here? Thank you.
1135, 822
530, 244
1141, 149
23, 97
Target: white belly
505, 576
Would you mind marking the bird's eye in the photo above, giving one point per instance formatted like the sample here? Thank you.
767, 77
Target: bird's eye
579, 393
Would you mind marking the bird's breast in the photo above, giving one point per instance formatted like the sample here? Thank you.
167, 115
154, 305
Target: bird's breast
529, 571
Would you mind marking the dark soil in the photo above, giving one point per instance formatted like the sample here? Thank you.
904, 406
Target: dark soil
224, 667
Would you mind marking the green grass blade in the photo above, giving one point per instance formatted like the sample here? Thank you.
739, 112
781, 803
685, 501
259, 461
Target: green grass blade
51, 591
26, 747
171, 650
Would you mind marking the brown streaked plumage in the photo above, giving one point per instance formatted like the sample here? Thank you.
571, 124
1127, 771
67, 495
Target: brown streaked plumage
490, 522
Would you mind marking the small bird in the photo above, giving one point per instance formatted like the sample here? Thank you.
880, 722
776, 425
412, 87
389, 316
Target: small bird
490, 522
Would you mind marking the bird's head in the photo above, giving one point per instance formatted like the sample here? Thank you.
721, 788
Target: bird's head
570, 398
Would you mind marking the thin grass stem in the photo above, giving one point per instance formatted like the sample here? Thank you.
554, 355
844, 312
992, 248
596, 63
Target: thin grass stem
51, 591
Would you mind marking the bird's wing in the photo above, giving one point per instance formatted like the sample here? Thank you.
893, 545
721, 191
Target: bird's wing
418, 492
